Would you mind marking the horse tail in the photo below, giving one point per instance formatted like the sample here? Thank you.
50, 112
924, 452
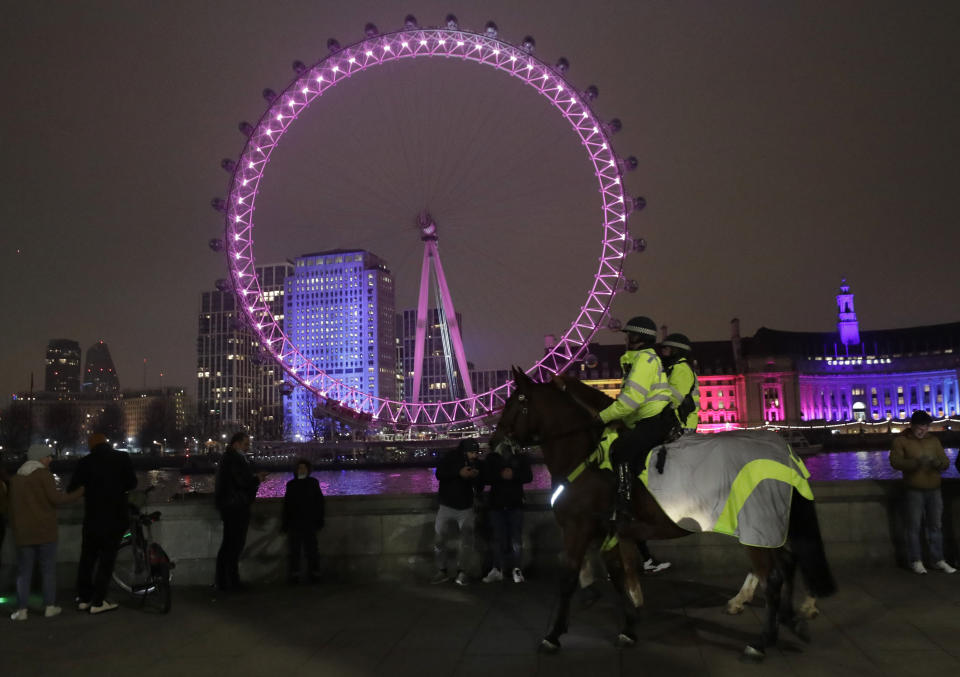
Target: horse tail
807, 546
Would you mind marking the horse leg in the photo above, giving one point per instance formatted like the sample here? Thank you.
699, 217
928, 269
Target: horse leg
626, 637
576, 539
745, 596
770, 574
629, 557
588, 580
808, 608
788, 616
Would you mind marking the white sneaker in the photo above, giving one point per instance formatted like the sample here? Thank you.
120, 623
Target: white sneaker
917, 567
52, 611
462, 579
944, 567
102, 607
651, 566
495, 576
517, 576
19, 615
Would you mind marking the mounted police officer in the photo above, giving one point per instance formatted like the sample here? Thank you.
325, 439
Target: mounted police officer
642, 407
675, 353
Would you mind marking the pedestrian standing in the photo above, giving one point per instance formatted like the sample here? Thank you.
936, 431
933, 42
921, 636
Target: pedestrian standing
33, 501
303, 515
105, 475
506, 470
458, 475
234, 493
4, 506
920, 457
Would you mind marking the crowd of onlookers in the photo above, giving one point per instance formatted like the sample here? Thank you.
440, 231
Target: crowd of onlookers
490, 487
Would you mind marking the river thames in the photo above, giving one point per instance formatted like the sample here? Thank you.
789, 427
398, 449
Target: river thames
171, 485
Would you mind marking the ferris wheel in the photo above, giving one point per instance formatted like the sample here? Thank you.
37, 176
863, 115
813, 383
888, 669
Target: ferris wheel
411, 42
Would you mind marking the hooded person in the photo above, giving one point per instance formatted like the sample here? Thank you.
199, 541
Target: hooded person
105, 475
303, 516
33, 509
459, 483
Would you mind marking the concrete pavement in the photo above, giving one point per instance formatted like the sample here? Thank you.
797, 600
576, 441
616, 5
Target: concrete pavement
884, 621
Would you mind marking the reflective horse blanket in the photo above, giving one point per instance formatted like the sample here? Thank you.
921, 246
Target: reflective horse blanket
737, 483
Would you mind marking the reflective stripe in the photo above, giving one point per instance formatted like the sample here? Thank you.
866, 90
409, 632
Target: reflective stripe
743, 485
675, 394
652, 357
676, 344
625, 399
636, 386
659, 398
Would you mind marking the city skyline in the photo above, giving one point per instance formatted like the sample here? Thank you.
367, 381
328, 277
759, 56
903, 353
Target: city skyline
779, 148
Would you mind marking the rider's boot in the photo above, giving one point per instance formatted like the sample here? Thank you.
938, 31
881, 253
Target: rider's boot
624, 493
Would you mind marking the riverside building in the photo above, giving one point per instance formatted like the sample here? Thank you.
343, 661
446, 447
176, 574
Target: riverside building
237, 387
814, 378
339, 313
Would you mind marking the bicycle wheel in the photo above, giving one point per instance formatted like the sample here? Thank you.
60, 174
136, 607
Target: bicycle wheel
125, 568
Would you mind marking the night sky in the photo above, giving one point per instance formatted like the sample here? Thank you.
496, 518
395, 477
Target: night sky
781, 146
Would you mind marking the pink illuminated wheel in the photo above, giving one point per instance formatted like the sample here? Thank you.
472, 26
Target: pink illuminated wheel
486, 49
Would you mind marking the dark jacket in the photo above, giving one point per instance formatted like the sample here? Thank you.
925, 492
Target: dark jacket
455, 491
302, 505
236, 483
506, 494
106, 476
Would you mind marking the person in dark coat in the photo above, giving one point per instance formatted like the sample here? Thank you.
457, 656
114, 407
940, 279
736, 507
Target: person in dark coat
302, 517
234, 493
506, 470
106, 475
458, 474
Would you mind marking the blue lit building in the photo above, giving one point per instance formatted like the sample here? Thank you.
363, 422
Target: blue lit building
339, 312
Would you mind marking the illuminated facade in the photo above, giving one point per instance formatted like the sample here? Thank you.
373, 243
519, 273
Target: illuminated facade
237, 389
339, 312
801, 378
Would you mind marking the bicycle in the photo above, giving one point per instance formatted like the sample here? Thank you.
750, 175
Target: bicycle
143, 567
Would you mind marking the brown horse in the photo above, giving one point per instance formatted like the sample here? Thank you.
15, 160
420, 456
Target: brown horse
561, 423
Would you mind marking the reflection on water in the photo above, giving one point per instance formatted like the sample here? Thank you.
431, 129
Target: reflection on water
843, 465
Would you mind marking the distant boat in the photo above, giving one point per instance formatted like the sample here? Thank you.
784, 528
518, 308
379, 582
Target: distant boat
799, 443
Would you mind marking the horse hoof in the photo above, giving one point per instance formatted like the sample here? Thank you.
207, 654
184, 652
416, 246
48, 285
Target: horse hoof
734, 609
752, 655
625, 640
548, 646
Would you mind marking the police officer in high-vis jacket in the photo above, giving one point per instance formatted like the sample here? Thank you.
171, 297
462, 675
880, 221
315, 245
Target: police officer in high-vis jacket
642, 407
675, 353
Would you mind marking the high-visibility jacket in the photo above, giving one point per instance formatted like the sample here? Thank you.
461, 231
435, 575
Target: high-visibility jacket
645, 391
683, 382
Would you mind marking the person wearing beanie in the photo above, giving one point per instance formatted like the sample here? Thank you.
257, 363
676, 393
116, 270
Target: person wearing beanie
920, 457
105, 475
642, 409
33, 509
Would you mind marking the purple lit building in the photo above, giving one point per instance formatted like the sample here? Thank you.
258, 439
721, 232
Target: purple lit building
339, 312
800, 378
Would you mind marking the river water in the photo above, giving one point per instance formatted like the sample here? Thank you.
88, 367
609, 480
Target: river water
170, 484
